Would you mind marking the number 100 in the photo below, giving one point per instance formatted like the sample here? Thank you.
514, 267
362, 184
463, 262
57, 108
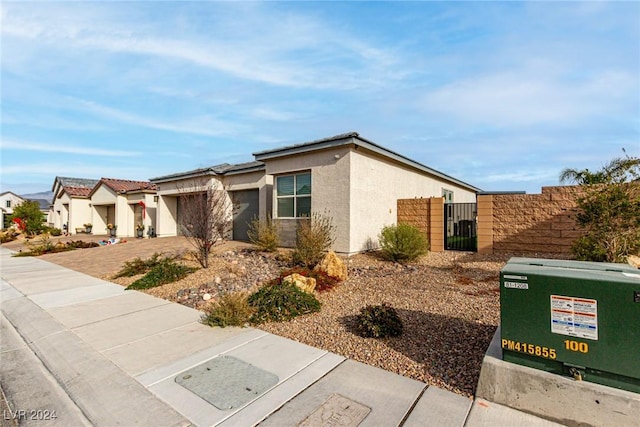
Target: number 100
582, 347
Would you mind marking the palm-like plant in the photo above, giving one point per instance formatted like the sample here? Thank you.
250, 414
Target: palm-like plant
618, 170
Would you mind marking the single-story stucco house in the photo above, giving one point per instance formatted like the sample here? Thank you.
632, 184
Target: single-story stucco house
125, 204
8, 201
347, 177
70, 208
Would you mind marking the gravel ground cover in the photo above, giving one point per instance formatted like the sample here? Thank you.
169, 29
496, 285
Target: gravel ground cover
448, 302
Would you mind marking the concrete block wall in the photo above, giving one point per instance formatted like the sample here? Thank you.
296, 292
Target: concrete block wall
427, 215
524, 223
529, 222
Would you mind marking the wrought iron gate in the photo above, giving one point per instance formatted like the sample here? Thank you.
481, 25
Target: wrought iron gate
460, 227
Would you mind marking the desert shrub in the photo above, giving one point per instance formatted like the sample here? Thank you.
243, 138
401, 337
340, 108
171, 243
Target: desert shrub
378, 321
314, 238
324, 282
7, 236
609, 217
232, 309
81, 244
139, 266
41, 245
402, 242
281, 302
264, 233
166, 271
54, 231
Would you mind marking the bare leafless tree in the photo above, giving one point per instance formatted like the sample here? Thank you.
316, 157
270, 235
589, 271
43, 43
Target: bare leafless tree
205, 216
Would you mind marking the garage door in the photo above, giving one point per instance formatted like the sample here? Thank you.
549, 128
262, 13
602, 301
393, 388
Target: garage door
246, 205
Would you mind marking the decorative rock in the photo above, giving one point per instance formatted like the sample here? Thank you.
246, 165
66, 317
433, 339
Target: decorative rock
634, 261
206, 297
218, 280
333, 266
307, 284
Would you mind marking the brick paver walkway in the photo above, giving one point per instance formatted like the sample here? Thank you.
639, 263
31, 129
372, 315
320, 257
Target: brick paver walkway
106, 259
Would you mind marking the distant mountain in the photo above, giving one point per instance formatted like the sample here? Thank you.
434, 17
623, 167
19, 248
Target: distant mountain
47, 195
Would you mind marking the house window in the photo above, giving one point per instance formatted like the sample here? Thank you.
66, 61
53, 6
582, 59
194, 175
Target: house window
8, 203
293, 194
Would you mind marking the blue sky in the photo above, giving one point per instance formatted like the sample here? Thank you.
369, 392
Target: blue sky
502, 95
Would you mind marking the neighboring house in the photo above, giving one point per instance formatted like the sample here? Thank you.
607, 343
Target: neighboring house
247, 187
8, 201
70, 208
123, 203
353, 180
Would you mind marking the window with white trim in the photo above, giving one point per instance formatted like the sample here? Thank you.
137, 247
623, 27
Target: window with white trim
448, 195
8, 203
293, 195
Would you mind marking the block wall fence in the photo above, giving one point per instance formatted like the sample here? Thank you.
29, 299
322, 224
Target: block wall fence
522, 223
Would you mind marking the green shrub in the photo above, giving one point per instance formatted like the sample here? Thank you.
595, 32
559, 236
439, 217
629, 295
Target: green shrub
378, 321
166, 271
609, 216
314, 237
281, 302
231, 309
265, 234
324, 282
402, 242
30, 217
54, 231
139, 266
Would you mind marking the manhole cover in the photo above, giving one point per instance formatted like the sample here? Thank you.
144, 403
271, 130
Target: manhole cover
337, 410
227, 382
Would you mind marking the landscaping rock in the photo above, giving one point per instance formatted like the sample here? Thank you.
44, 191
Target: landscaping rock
333, 266
206, 297
307, 284
634, 261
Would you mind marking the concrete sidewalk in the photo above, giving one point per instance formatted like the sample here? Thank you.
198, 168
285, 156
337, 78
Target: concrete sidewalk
77, 350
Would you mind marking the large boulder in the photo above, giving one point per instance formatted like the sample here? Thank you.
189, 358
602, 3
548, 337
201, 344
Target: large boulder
634, 260
332, 265
307, 284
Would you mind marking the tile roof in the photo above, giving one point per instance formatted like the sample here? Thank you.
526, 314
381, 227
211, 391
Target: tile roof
126, 186
76, 182
77, 191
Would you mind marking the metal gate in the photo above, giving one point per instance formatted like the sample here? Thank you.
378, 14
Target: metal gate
460, 227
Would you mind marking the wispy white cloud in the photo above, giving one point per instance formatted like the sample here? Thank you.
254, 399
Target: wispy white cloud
53, 147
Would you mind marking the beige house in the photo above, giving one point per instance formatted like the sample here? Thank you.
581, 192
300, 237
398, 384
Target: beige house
247, 189
128, 206
347, 177
70, 208
8, 201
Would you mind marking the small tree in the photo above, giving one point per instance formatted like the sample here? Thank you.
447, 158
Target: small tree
29, 214
205, 216
609, 212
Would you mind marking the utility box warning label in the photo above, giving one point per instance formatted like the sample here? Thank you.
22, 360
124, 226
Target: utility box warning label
575, 317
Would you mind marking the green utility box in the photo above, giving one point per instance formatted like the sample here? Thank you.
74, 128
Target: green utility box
574, 318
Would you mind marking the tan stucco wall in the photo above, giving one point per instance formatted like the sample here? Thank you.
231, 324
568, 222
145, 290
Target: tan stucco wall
74, 210
376, 185
329, 186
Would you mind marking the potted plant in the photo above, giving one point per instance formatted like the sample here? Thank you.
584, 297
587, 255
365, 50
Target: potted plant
140, 230
88, 227
112, 229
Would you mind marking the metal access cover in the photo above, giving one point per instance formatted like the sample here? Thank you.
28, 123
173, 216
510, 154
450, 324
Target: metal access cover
227, 382
337, 410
